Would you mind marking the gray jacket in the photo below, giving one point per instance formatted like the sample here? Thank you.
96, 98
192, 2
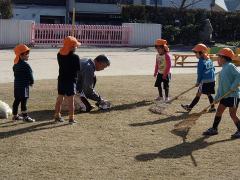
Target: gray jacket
86, 80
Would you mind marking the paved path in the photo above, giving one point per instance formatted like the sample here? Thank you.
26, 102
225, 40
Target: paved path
124, 61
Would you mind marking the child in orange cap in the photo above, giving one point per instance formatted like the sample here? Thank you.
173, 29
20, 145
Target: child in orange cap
23, 78
205, 77
229, 79
69, 65
162, 69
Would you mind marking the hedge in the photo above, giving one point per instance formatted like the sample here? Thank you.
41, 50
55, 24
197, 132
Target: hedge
226, 25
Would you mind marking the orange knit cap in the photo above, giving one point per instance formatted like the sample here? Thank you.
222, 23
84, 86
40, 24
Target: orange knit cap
162, 42
68, 43
19, 49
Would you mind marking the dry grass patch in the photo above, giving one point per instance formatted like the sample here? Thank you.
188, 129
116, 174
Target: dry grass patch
128, 142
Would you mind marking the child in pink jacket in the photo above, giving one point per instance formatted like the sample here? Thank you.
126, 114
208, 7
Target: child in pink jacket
162, 69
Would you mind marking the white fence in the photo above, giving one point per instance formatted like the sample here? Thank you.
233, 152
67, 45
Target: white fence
144, 34
13, 32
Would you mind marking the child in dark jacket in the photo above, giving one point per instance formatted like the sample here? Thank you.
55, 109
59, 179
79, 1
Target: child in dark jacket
205, 77
69, 65
23, 78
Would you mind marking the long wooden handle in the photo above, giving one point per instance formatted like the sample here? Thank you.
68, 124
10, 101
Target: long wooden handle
182, 93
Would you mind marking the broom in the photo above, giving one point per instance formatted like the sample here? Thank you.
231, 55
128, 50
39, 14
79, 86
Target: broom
158, 108
188, 123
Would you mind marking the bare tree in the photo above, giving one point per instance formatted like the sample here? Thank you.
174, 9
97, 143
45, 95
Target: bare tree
185, 4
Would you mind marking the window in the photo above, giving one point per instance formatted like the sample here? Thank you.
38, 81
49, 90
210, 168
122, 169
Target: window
106, 1
42, 2
98, 1
52, 19
153, 2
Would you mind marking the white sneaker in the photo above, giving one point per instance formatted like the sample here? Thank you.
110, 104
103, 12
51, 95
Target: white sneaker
167, 100
159, 99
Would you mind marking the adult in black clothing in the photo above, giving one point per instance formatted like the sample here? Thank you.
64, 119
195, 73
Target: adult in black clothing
69, 64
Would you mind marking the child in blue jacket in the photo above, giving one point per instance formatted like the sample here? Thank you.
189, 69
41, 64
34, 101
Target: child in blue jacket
205, 77
229, 79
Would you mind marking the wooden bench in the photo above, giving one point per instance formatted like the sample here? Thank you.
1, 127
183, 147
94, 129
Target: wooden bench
181, 59
236, 59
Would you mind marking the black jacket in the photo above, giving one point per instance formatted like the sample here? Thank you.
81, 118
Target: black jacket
69, 65
23, 76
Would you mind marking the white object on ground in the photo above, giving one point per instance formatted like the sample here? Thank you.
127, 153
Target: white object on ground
5, 110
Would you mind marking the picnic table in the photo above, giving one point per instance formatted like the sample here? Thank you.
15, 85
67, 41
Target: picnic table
235, 60
181, 59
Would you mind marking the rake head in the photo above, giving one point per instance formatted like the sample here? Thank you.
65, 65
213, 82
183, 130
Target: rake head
187, 123
158, 108
183, 132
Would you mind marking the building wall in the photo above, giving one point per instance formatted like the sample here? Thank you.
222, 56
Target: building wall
137, 2
33, 12
204, 4
95, 13
95, 8
41, 2
232, 5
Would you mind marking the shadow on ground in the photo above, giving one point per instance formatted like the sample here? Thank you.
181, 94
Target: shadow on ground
42, 115
180, 150
185, 115
32, 128
44, 120
123, 107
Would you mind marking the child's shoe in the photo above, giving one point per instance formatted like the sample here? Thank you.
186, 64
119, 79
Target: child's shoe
210, 132
236, 135
17, 118
72, 121
159, 98
186, 107
59, 119
212, 110
28, 119
167, 100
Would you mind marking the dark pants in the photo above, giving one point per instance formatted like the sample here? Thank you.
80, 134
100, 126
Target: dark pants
16, 103
66, 88
94, 81
165, 82
160, 80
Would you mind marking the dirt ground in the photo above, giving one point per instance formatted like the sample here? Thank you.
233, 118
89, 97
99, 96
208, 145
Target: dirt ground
124, 61
128, 142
